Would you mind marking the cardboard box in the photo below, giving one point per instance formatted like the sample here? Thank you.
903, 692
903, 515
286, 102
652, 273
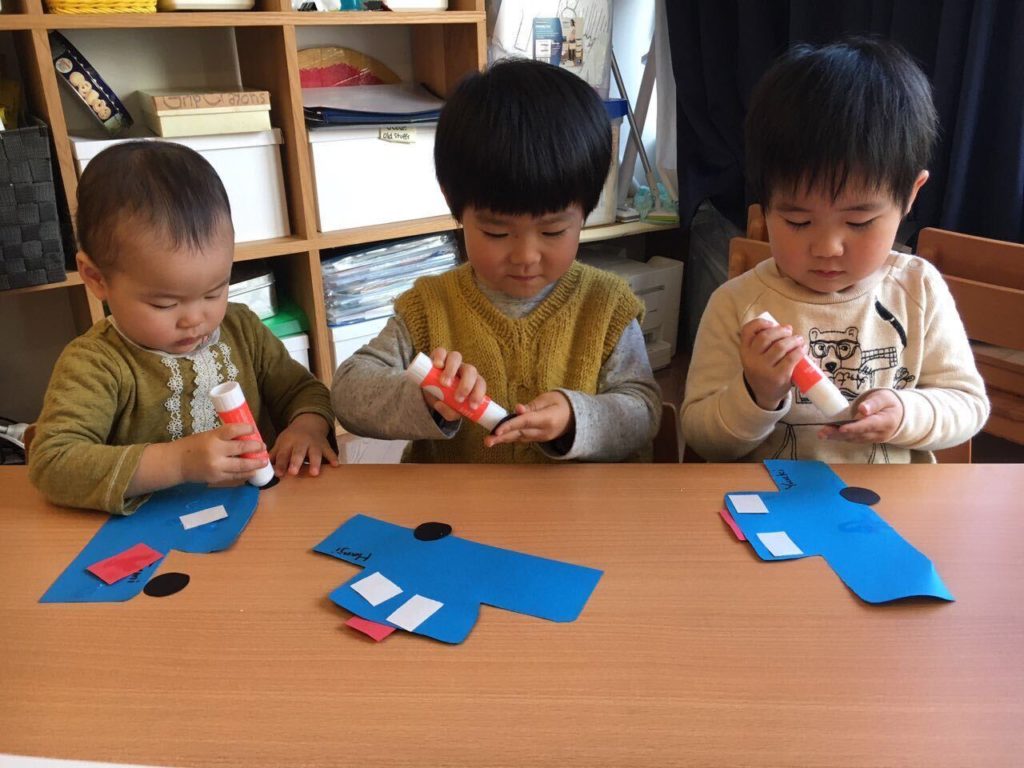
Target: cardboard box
249, 165
201, 113
374, 174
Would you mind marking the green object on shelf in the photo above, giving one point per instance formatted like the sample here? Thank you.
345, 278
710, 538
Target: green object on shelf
288, 321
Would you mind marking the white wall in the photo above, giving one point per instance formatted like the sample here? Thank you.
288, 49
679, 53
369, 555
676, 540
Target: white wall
632, 28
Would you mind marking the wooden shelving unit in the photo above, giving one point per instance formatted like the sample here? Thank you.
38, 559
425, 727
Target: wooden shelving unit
444, 47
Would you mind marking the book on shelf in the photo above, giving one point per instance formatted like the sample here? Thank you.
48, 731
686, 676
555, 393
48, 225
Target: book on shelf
203, 112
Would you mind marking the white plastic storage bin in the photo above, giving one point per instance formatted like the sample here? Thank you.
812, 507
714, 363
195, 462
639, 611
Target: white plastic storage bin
298, 348
346, 339
249, 165
365, 177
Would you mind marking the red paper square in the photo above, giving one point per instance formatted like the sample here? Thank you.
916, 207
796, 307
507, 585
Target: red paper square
125, 563
377, 631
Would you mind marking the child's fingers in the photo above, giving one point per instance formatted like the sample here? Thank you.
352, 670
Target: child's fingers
754, 328
239, 447
438, 357
328, 453
243, 469
451, 368
509, 431
314, 458
827, 432
299, 452
467, 380
232, 431
528, 427
447, 413
476, 395
761, 341
280, 460
783, 348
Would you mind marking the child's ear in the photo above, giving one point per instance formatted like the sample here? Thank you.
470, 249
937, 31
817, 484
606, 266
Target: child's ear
919, 182
91, 276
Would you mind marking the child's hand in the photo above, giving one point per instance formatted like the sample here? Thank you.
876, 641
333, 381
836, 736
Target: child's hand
471, 388
547, 417
216, 456
879, 414
305, 436
769, 353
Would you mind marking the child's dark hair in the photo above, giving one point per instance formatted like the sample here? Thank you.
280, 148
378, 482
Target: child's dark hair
523, 137
156, 186
858, 108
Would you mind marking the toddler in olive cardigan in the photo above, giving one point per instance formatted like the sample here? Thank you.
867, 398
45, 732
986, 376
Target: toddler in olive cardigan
127, 410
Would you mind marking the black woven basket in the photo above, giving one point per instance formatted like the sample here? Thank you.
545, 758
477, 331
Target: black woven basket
30, 233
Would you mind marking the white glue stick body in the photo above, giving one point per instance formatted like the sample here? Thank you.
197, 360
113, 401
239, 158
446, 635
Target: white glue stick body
229, 402
815, 385
422, 370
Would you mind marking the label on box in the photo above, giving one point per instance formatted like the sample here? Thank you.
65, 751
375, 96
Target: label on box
212, 101
398, 134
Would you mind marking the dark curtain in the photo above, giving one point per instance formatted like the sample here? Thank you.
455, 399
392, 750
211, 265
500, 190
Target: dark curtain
972, 50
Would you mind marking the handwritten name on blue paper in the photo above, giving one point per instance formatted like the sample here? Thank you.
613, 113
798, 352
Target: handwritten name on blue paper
869, 556
458, 573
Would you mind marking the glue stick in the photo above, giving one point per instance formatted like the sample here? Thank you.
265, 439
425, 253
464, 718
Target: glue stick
815, 385
422, 370
229, 402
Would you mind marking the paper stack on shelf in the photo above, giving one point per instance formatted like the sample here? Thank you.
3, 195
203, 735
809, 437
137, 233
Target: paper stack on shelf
362, 285
370, 105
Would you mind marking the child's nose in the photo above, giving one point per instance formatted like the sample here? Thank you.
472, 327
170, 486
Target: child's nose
524, 252
827, 245
190, 318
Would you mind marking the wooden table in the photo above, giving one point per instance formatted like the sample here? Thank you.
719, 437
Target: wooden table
690, 652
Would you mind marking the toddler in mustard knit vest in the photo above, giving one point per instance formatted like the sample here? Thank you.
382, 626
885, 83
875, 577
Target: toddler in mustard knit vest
521, 153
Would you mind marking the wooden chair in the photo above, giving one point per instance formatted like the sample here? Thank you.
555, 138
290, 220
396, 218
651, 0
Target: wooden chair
986, 278
745, 253
667, 441
757, 227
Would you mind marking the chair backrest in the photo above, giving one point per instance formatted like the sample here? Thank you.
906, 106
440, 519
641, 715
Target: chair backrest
986, 278
757, 227
745, 253
667, 441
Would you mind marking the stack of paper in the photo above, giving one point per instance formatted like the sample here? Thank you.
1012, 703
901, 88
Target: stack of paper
362, 285
370, 105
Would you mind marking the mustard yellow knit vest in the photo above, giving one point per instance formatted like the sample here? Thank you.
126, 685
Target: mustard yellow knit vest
563, 343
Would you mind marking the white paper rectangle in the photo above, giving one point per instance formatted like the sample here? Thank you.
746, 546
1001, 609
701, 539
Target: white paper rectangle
203, 516
376, 588
748, 504
779, 544
414, 612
